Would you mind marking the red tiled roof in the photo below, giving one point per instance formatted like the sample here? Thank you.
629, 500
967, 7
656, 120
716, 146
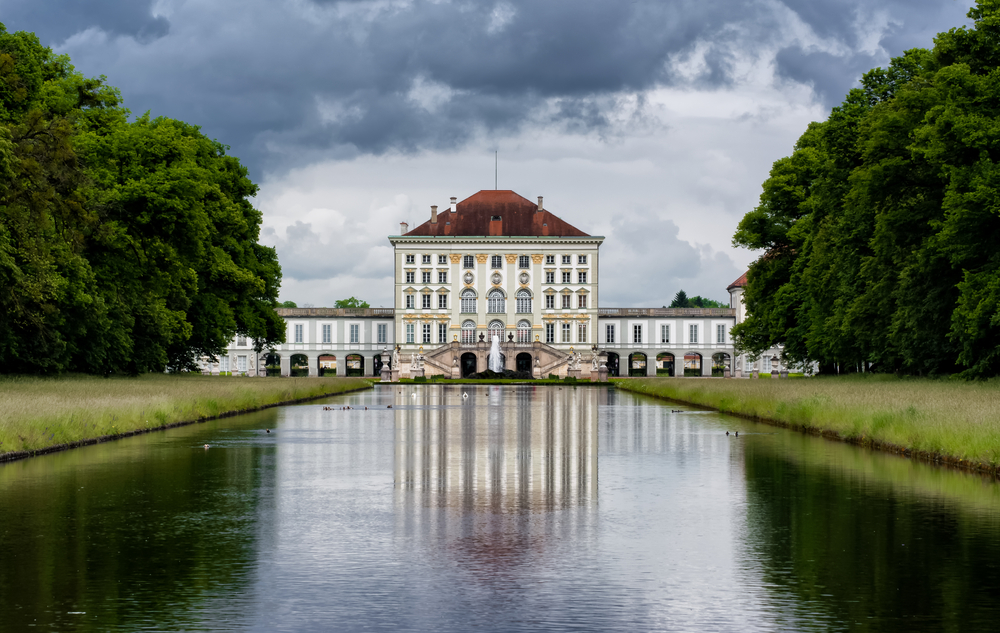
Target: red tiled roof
474, 216
739, 283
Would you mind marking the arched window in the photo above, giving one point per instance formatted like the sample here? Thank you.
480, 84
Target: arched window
523, 301
469, 301
523, 331
469, 332
496, 327
497, 302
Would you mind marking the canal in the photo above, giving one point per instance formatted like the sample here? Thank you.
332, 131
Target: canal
497, 508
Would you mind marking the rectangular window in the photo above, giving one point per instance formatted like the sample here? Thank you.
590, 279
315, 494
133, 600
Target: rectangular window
523, 261
765, 363
581, 334
567, 259
581, 301
693, 334
442, 332
442, 259
664, 333
327, 333
425, 277
383, 330
550, 259
426, 330
565, 333
550, 302
425, 302
609, 333
566, 301
550, 278
468, 261
409, 332
241, 341
442, 302
582, 259
411, 277
425, 259
550, 332
409, 301
637, 334
566, 276
581, 277
496, 261
355, 333
720, 333
298, 332
409, 259
241, 363
442, 276
224, 364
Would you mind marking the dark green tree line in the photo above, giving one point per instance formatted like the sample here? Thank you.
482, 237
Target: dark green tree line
880, 232
125, 246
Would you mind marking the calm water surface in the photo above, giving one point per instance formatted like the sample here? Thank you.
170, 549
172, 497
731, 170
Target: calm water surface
516, 508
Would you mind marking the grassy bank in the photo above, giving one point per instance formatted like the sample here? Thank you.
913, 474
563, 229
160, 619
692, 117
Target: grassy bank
40, 413
941, 420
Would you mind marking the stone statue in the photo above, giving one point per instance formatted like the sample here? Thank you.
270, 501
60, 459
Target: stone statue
413, 361
574, 361
593, 361
395, 358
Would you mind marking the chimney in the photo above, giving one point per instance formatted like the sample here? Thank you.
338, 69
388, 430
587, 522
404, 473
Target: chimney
454, 204
403, 228
434, 214
540, 207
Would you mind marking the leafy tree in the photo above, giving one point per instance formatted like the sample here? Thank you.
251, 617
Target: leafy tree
350, 303
288, 304
879, 232
680, 300
124, 246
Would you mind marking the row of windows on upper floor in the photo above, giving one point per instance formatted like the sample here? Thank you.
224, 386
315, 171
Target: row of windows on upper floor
550, 277
496, 327
496, 261
496, 302
610, 334
353, 333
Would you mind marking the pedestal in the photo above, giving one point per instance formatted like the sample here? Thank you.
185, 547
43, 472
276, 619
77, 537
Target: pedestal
395, 375
602, 374
536, 371
783, 373
725, 373
417, 373
755, 374
573, 373
386, 374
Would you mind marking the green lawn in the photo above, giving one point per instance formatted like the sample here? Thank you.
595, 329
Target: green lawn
36, 413
955, 419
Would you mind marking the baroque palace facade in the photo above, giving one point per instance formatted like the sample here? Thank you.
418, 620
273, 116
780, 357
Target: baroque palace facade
498, 264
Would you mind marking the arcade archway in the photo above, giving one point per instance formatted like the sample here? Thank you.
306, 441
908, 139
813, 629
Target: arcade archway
665, 364
468, 362
637, 364
692, 364
355, 365
612, 364
523, 361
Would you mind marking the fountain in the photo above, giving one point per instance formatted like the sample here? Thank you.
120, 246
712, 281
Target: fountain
495, 363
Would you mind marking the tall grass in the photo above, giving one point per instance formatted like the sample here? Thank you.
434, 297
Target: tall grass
38, 413
957, 421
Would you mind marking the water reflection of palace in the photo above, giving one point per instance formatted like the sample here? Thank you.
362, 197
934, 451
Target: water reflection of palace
508, 449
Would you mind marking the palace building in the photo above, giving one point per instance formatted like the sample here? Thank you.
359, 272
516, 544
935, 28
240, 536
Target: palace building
497, 264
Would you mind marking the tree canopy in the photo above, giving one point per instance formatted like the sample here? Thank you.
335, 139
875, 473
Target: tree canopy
681, 300
350, 303
879, 232
125, 245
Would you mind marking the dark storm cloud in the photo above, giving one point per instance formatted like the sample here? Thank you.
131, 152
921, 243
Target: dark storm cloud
56, 21
288, 82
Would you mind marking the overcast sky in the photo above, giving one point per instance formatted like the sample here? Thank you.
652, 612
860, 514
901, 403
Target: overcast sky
652, 122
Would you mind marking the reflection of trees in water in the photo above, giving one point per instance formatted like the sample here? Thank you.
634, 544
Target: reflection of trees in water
867, 551
134, 538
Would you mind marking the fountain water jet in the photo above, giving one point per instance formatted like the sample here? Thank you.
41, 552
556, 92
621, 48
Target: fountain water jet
495, 361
